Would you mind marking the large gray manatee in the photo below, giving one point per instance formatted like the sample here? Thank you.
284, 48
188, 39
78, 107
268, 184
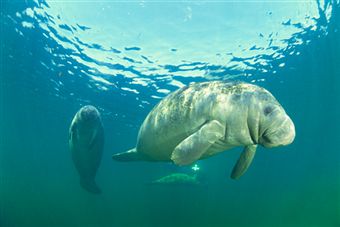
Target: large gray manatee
86, 142
203, 119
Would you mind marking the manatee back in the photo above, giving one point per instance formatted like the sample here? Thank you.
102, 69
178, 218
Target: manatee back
167, 124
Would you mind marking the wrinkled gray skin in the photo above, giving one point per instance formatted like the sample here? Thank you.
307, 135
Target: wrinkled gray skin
86, 142
203, 119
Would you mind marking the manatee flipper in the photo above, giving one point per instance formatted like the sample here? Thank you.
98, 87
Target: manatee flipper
73, 135
93, 141
192, 148
244, 161
90, 186
129, 156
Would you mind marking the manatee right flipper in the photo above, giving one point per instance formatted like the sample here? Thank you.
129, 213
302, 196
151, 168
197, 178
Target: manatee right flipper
244, 161
130, 155
194, 146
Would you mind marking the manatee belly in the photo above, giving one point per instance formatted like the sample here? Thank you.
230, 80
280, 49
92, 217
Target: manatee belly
216, 148
87, 156
159, 142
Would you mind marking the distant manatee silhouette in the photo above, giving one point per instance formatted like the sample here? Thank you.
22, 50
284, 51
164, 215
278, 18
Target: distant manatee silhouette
177, 179
86, 142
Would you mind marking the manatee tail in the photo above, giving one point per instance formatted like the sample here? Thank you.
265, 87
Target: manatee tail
129, 156
90, 186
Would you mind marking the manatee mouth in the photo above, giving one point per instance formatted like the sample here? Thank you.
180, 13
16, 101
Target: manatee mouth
265, 141
282, 135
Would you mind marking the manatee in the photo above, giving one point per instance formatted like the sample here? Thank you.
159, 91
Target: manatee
86, 142
177, 179
204, 119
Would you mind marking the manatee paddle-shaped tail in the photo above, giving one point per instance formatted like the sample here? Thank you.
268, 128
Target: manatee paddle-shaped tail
90, 186
130, 155
244, 161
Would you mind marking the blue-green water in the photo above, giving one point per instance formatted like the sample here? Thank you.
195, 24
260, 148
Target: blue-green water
123, 57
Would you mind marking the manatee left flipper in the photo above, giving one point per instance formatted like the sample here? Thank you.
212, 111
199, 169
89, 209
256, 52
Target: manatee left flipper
244, 161
94, 141
192, 148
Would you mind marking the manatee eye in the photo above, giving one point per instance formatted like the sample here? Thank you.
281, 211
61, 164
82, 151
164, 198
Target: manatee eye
267, 110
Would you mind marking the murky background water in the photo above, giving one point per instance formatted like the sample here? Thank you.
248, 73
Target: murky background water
123, 57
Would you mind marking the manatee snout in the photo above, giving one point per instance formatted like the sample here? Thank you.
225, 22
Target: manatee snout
280, 134
287, 132
89, 113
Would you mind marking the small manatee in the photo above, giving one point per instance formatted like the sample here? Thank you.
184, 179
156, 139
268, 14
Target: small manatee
86, 142
177, 179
